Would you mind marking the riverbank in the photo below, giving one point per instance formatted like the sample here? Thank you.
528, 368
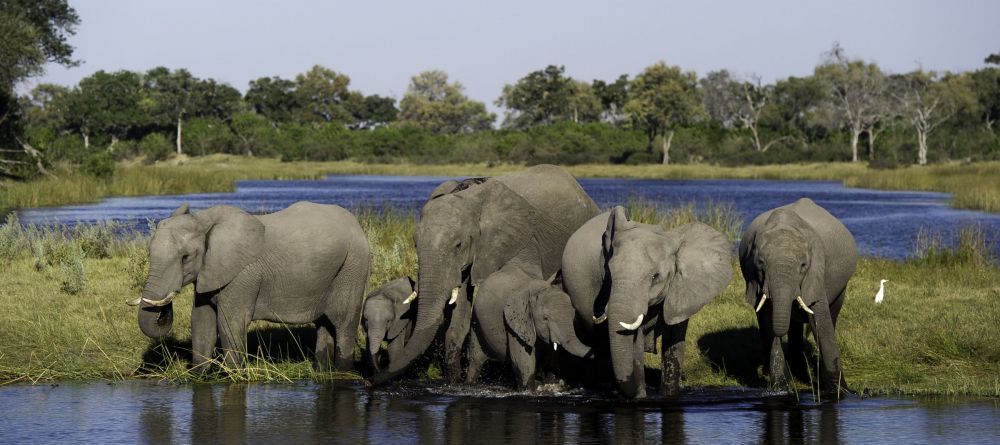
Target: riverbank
973, 186
932, 335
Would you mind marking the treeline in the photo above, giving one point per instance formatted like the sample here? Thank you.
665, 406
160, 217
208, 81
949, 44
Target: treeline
848, 109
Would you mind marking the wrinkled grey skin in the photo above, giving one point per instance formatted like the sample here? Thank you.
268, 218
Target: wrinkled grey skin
306, 263
517, 319
385, 317
471, 231
622, 268
793, 250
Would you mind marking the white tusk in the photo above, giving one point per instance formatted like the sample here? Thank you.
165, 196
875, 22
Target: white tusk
134, 302
555, 346
454, 296
803, 304
601, 319
163, 302
412, 297
761, 304
633, 326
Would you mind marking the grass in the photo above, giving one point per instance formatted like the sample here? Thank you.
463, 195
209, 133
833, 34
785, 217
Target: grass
973, 186
934, 334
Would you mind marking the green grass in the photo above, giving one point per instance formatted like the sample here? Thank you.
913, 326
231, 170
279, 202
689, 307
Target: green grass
974, 186
934, 334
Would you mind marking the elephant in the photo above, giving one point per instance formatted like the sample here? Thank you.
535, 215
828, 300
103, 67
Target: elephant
469, 230
643, 282
797, 260
388, 316
516, 319
306, 263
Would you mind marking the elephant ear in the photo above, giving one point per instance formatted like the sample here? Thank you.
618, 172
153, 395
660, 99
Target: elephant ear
444, 189
813, 283
184, 209
617, 222
703, 267
234, 239
506, 225
398, 324
517, 315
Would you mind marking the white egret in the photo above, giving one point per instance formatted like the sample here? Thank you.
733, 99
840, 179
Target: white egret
881, 291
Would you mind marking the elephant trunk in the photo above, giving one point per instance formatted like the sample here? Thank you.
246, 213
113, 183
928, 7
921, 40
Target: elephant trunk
155, 321
574, 346
781, 293
624, 309
374, 343
434, 294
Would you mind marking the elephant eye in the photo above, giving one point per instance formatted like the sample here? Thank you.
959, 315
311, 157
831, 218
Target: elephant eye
185, 258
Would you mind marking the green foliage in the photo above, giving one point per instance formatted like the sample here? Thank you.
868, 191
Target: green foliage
431, 102
136, 268
74, 277
972, 248
95, 240
100, 165
155, 147
547, 96
11, 238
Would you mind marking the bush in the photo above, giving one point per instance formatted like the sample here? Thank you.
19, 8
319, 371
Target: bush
95, 240
11, 238
155, 147
74, 277
137, 267
99, 165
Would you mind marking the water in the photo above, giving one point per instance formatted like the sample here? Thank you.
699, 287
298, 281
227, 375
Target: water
141, 412
884, 223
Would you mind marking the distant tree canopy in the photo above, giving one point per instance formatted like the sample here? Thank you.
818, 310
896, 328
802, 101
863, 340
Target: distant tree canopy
661, 114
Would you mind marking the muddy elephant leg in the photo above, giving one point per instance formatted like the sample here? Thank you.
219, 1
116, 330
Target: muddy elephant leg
831, 373
325, 346
455, 336
204, 331
524, 363
477, 357
672, 357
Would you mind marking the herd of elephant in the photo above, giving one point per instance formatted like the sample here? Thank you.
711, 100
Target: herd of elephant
521, 268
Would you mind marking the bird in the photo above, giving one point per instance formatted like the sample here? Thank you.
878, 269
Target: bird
881, 291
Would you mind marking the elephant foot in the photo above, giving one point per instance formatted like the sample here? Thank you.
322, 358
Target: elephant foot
835, 387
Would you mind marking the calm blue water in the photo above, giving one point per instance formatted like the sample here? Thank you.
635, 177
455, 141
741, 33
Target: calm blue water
884, 223
306, 413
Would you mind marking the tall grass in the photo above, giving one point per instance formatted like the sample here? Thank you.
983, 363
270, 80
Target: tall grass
934, 333
720, 216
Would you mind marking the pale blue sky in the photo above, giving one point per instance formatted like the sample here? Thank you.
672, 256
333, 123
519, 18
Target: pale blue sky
380, 44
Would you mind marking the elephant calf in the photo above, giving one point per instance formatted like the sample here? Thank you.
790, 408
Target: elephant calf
306, 263
797, 260
521, 320
388, 315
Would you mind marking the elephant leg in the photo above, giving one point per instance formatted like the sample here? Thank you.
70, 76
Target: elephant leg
233, 320
477, 357
455, 336
325, 345
774, 356
204, 331
343, 310
395, 349
639, 365
345, 336
524, 363
796, 349
831, 373
672, 357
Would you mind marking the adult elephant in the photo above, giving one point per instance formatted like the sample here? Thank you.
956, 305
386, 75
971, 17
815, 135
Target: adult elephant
469, 230
797, 260
306, 263
643, 281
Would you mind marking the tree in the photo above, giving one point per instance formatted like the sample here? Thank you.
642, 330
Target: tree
47, 105
734, 102
986, 84
273, 98
171, 94
661, 98
927, 100
374, 111
612, 97
855, 89
322, 96
547, 96
218, 100
109, 104
441, 107
32, 32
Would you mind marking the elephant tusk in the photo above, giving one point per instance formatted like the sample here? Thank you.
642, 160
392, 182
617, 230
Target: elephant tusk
134, 302
410, 299
159, 303
803, 304
555, 346
454, 296
601, 319
761, 304
633, 326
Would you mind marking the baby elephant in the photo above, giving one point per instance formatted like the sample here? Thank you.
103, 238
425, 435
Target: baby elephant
388, 316
521, 320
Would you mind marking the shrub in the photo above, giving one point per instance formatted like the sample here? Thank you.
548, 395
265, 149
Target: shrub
95, 240
99, 165
155, 147
74, 278
38, 253
11, 238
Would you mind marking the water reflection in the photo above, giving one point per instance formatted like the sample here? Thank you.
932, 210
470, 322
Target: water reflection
345, 413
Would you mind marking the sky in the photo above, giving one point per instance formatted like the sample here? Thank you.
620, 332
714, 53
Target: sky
381, 44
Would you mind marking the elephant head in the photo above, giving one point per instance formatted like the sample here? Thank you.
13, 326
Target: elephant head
462, 237
676, 271
382, 316
789, 262
208, 248
544, 316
